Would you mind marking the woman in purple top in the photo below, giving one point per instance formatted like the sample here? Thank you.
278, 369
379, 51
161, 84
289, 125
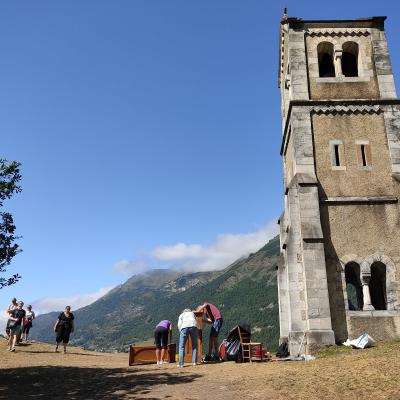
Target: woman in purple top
161, 333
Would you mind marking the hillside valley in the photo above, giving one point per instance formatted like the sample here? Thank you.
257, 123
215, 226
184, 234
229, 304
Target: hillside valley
245, 292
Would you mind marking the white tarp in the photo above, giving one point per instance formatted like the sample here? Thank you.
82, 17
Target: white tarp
361, 342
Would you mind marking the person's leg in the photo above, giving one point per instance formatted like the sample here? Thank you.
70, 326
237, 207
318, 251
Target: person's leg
66, 340
157, 340
28, 328
162, 355
10, 340
182, 343
216, 352
15, 340
193, 334
164, 344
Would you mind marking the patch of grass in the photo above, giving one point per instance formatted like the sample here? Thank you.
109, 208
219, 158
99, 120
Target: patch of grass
333, 351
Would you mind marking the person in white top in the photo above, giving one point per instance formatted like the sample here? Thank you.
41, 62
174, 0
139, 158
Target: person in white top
187, 325
29, 317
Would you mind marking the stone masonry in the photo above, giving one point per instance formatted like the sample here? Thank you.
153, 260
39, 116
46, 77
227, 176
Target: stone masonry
339, 273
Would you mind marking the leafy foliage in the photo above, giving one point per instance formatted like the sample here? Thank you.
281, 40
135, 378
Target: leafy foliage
9, 185
245, 292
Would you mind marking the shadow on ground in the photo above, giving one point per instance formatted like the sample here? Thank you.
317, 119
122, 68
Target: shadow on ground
48, 382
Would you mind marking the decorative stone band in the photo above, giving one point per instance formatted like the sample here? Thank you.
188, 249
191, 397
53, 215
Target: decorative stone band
347, 109
360, 200
337, 32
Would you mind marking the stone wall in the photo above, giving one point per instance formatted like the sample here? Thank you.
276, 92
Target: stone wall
378, 324
352, 180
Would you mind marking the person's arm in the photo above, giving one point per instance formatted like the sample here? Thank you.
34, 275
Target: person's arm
180, 320
201, 308
72, 325
56, 324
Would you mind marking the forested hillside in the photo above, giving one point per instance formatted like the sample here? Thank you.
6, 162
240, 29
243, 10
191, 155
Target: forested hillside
245, 292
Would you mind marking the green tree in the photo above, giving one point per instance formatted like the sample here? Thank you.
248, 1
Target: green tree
9, 185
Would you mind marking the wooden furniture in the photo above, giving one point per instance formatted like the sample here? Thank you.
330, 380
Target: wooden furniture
251, 351
146, 354
188, 347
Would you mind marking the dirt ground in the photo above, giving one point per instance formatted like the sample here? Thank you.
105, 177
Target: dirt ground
34, 371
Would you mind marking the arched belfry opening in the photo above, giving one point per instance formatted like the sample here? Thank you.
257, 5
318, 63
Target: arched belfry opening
325, 60
377, 286
350, 59
353, 286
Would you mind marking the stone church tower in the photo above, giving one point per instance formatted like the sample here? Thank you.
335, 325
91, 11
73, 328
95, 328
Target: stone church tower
339, 273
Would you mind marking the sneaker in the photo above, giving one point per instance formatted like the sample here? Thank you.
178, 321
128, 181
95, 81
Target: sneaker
207, 357
13, 349
179, 366
194, 364
215, 358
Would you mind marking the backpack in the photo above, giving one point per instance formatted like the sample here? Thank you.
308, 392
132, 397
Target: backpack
283, 350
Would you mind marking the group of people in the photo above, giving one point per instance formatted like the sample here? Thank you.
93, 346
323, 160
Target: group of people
19, 323
187, 326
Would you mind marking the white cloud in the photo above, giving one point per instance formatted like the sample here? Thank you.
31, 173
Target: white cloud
48, 304
225, 249
129, 267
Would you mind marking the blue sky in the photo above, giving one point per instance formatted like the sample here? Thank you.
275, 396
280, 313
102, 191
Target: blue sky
148, 133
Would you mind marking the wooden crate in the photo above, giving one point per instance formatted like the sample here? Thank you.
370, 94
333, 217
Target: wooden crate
146, 354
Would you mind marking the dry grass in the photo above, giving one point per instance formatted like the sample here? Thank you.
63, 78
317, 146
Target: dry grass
36, 372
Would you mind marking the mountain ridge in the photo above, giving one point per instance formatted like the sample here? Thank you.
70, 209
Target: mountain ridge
245, 291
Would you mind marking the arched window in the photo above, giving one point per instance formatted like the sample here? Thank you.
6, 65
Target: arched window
353, 286
377, 286
350, 59
325, 60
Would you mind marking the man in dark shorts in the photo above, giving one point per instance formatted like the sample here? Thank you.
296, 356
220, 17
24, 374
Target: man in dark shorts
16, 320
214, 317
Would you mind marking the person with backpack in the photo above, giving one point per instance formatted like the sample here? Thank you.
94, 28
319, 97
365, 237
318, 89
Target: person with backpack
16, 320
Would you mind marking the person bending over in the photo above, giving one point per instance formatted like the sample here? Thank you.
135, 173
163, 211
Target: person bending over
161, 333
214, 317
187, 326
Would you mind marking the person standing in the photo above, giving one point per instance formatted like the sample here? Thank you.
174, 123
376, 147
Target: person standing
187, 326
161, 333
12, 306
17, 319
29, 317
63, 328
214, 317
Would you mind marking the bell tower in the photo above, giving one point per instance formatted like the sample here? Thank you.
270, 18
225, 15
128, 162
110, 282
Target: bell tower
340, 229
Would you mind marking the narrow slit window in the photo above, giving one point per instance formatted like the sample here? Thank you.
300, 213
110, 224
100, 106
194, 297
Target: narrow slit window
363, 156
337, 155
